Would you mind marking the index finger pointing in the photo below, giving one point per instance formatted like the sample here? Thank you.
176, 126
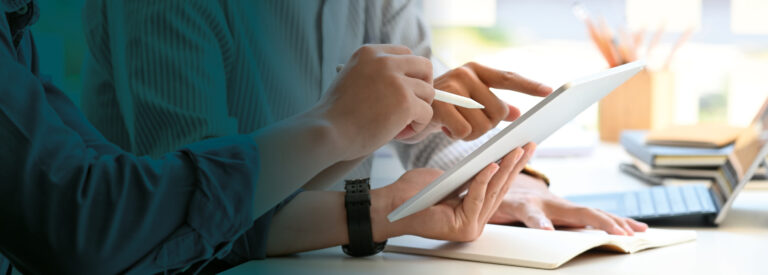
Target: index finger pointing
509, 80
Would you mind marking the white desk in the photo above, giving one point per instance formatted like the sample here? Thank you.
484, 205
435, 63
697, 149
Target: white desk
738, 246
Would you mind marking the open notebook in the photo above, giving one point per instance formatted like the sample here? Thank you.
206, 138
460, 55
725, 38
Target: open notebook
527, 247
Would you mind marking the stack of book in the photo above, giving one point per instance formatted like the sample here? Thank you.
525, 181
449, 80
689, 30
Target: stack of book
683, 153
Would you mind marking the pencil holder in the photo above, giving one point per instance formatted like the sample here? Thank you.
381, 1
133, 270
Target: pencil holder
644, 102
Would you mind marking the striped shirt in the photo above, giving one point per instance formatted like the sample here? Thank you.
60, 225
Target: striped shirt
162, 74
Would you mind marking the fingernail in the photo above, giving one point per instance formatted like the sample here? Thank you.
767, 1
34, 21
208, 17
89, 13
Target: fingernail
546, 225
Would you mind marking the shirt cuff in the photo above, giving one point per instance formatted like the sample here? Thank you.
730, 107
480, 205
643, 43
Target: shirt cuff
253, 244
221, 208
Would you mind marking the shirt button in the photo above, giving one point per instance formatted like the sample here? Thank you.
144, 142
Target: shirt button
23, 10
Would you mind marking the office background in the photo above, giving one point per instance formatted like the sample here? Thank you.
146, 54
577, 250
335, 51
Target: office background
719, 72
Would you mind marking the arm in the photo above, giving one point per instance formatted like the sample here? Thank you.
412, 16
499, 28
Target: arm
95, 212
400, 23
401, 81
68, 208
317, 219
74, 119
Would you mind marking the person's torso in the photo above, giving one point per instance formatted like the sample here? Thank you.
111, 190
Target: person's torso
278, 60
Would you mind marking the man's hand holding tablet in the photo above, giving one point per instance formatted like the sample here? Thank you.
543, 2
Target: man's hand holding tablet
457, 218
534, 126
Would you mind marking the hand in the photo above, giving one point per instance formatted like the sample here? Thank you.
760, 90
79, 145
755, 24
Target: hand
530, 202
474, 80
456, 218
384, 92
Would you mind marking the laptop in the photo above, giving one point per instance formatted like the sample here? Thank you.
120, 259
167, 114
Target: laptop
694, 204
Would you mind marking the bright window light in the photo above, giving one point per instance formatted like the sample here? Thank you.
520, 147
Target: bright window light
748, 16
476, 13
675, 16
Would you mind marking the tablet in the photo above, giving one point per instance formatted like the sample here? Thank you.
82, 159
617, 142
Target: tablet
542, 120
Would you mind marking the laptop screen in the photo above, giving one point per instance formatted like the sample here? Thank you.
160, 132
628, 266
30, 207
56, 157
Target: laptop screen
749, 144
749, 151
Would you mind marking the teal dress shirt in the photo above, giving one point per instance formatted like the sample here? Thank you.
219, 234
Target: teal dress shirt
73, 203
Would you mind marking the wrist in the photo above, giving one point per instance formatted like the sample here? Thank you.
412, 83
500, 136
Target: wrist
336, 130
381, 206
326, 132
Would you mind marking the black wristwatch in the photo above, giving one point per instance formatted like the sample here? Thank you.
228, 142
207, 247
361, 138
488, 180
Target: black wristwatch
358, 204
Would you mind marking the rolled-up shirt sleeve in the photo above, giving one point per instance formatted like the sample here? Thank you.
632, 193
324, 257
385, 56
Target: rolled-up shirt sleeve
69, 207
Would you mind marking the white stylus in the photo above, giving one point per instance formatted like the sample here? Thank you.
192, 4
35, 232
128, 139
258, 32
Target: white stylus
446, 97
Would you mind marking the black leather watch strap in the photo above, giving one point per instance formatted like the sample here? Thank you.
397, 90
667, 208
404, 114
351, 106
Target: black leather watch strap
357, 201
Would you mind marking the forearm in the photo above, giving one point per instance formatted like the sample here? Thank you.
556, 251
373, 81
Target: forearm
332, 174
294, 151
318, 219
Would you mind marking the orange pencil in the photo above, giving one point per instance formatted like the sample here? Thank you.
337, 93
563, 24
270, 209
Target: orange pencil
638, 38
683, 38
581, 12
626, 46
598, 40
656, 38
607, 37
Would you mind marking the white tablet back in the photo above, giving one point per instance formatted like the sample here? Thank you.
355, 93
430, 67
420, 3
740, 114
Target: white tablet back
534, 126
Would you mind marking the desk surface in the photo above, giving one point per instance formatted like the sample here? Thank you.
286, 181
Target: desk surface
738, 246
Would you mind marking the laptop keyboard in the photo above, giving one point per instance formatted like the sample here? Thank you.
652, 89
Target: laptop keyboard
668, 200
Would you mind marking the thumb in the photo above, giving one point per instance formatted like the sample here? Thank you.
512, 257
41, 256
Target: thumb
537, 219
